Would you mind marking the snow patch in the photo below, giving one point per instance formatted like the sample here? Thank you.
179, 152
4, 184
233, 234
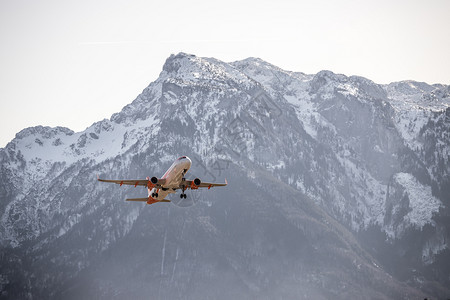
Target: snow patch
421, 202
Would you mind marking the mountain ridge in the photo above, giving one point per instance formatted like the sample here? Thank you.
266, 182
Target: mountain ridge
346, 144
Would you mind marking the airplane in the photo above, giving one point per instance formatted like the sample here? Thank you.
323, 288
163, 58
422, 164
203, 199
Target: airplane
172, 180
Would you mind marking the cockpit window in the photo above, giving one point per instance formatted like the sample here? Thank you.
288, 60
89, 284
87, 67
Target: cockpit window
181, 157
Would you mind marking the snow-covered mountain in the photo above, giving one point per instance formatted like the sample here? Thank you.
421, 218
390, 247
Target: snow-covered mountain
336, 185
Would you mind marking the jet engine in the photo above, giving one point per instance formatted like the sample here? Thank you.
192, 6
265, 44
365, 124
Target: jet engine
196, 182
155, 180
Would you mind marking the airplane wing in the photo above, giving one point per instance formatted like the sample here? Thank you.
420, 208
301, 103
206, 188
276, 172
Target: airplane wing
141, 182
191, 185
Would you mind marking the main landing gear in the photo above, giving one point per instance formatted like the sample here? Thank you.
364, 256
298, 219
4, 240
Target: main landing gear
183, 195
154, 195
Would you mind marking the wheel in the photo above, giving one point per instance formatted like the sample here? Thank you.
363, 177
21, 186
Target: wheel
156, 195
181, 196
185, 196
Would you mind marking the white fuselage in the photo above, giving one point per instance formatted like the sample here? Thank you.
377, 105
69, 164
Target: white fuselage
173, 178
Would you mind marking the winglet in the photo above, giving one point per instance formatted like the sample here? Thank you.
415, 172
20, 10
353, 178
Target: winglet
98, 178
226, 182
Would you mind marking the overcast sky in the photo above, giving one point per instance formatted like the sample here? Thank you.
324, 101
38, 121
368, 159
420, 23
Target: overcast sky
72, 63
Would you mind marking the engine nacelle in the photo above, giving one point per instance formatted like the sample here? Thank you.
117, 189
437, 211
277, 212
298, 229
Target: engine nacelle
155, 180
197, 181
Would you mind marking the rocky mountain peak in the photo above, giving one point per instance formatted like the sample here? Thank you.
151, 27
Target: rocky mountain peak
174, 62
45, 132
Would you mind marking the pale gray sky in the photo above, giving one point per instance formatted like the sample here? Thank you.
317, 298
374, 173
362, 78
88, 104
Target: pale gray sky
71, 63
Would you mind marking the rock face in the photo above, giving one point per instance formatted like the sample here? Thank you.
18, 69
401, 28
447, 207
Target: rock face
338, 188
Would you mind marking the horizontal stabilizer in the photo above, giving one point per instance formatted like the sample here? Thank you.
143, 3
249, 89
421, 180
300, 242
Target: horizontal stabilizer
138, 199
146, 199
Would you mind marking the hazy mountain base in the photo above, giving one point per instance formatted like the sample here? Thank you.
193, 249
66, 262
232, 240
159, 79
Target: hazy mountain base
263, 246
259, 246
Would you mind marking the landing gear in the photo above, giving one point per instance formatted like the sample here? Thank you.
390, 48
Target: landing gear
154, 195
184, 173
183, 188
